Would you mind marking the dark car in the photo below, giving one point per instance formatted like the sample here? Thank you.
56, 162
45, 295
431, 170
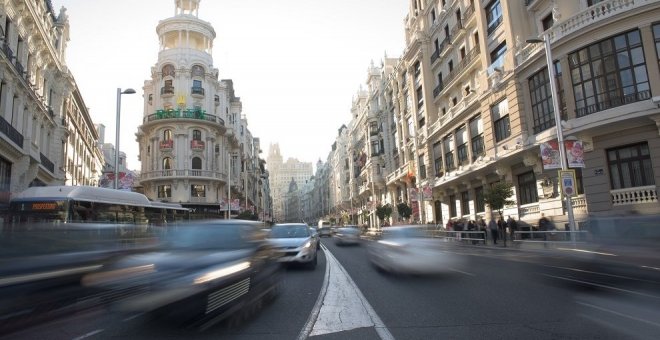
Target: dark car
348, 235
205, 272
42, 265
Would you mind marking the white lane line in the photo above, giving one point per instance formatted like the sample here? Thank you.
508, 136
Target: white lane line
620, 314
132, 317
304, 333
92, 333
603, 286
602, 274
343, 306
462, 272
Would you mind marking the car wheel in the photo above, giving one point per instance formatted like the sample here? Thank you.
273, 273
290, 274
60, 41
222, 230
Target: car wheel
312, 264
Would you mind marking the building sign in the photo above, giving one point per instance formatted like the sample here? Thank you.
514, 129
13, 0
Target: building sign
567, 180
574, 153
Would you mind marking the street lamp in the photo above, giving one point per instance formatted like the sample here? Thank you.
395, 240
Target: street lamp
558, 127
119, 93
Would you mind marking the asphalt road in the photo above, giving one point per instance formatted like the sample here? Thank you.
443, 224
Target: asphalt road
498, 294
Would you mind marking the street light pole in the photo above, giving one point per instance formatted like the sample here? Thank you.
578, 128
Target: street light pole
229, 187
558, 127
119, 93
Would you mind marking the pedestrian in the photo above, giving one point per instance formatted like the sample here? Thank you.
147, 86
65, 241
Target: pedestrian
482, 228
544, 226
492, 225
513, 227
472, 226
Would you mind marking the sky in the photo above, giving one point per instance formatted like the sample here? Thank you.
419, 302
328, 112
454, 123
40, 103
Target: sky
296, 64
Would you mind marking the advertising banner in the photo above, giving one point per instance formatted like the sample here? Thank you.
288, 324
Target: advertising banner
412, 194
574, 153
550, 155
235, 204
427, 193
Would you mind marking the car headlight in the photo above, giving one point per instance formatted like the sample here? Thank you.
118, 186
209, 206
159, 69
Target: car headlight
307, 244
222, 272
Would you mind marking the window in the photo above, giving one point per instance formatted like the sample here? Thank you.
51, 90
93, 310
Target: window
630, 166
465, 203
541, 99
609, 73
197, 190
497, 58
500, 115
593, 2
656, 36
375, 148
449, 153
493, 15
167, 135
461, 145
452, 206
168, 71
422, 167
479, 203
197, 135
547, 22
5, 175
197, 83
477, 134
527, 188
437, 161
167, 163
450, 64
433, 17
196, 163
197, 71
420, 98
164, 191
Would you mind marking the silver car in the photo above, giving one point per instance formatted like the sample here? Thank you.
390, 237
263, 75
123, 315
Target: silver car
347, 235
408, 250
295, 243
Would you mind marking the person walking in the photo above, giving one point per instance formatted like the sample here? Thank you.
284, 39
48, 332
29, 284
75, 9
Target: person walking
544, 226
482, 228
492, 225
513, 227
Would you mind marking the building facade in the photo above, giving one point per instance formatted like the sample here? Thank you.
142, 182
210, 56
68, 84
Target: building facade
195, 146
469, 104
281, 173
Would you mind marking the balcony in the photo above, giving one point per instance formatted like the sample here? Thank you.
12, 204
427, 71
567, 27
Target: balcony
11, 132
197, 145
635, 195
185, 173
197, 92
438, 89
456, 31
435, 56
612, 102
47, 163
7, 51
167, 91
469, 13
444, 46
166, 145
184, 114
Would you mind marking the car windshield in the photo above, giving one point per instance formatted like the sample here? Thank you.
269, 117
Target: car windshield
221, 237
285, 231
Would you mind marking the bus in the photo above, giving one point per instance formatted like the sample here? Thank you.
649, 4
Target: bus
86, 204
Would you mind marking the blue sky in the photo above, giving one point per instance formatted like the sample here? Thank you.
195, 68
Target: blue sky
296, 64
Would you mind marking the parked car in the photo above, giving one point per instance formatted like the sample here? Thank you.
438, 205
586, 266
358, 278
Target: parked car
408, 249
295, 243
348, 235
204, 272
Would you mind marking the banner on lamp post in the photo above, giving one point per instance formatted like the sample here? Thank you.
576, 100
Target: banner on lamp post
412, 194
427, 193
574, 153
550, 155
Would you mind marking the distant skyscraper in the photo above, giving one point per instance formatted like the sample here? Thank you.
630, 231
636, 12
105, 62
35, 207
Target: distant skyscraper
281, 175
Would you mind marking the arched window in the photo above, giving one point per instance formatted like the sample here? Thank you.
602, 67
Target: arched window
197, 135
196, 166
167, 135
167, 163
197, 71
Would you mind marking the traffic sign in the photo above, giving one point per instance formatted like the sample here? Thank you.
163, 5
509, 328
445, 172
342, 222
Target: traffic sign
567, 180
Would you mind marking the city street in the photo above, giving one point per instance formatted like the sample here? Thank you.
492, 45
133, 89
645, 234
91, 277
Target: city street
500, 293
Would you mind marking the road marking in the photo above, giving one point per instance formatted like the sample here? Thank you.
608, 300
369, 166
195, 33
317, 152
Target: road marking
341, 305
132, 317
92, 333
620, 314
602, 286
462, 272
602, 274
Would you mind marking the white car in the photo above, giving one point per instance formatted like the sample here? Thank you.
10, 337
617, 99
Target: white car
408, 250
295, 243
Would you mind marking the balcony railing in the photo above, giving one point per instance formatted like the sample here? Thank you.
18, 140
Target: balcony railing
166, 90
636, 195
7, 51
166, 145
196, 90
456, 29
579, 204
185, 173
11, 132
438, 89
184, 114
614, 101
469, 11
460, 69
197, 145
47, 163
435, 56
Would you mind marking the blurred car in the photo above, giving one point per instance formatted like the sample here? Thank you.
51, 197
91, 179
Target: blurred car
408, 250
204, 272
41, 267
295, 243
348, 235
316, 237
325, 231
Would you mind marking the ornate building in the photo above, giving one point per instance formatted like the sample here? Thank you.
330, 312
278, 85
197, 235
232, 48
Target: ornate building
281, 174
194, 141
